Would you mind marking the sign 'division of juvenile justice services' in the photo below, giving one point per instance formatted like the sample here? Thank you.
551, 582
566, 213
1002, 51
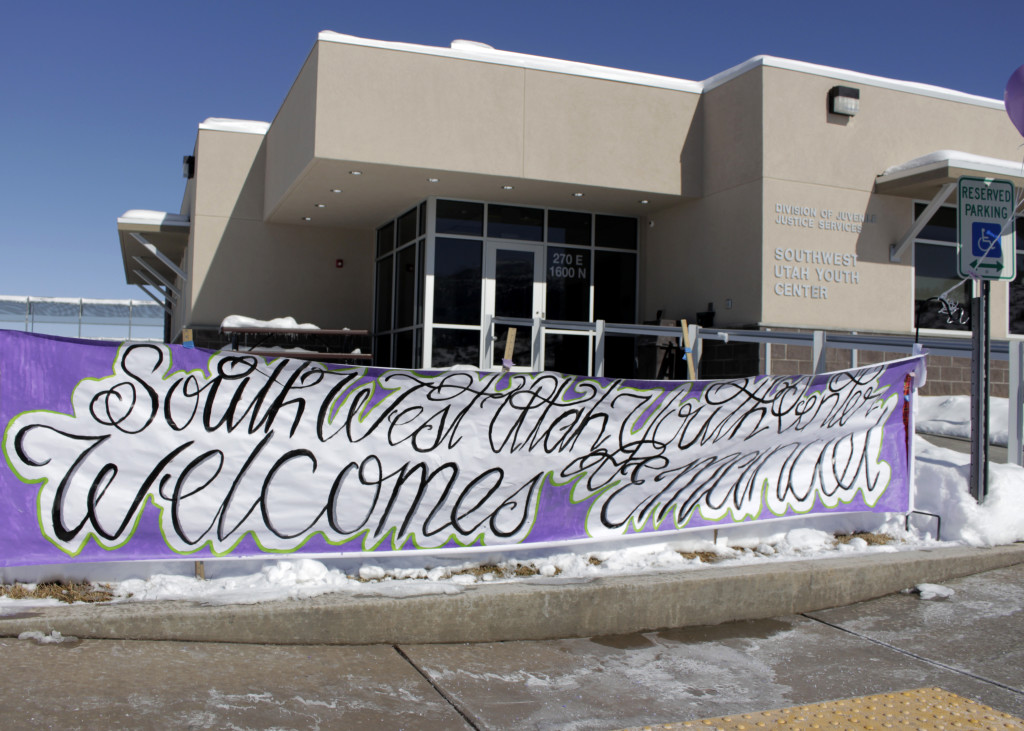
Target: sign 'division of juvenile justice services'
985, 228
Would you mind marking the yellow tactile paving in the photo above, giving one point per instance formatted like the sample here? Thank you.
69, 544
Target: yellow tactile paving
920, 710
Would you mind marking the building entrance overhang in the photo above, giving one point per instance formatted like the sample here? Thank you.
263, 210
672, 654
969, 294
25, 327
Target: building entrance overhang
933, 178
354, 194
152, 247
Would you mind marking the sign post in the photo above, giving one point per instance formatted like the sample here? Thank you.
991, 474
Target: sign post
985, 251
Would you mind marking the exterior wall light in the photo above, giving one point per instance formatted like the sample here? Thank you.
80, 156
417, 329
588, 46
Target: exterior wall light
844, 100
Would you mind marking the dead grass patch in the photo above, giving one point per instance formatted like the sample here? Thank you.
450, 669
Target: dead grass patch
67, 592
502, 572
872, 539
704, 556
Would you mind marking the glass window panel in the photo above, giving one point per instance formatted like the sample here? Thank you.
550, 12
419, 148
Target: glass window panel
1017, 296
459, 217
382, 350
568, 284
515, 222
384, 293
513, 283
569, 227
422, 229
407, 227
458, 274
521, 350
404, 349
615, 232
614, 287
935, 275
941, 227
405, 287
385, 239
620, 357
567, 354
455, 347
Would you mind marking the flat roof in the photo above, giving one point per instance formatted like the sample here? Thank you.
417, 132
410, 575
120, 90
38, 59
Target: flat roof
475, 51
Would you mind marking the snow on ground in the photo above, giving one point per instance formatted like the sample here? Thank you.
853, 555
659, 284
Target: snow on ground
941, 477
950, 416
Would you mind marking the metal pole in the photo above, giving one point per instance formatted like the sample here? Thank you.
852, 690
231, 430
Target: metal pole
599, 349
819, 352
979, 394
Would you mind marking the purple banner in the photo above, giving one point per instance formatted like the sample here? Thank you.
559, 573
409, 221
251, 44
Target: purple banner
150, 451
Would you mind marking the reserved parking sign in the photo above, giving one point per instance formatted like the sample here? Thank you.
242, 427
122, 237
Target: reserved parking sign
985, 230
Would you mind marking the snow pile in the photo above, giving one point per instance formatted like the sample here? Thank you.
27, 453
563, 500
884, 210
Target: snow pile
950, 416
295, 579
934, 591
54, 638
278, 323
942, 477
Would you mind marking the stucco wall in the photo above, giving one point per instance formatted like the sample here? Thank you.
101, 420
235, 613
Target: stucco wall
819, 201
240, 265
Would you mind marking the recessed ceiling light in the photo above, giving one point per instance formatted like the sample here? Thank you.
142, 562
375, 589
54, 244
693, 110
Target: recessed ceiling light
577, 195
644, 202
335, 190
355, 172
432, 180
306, 218
508, 187
320, 205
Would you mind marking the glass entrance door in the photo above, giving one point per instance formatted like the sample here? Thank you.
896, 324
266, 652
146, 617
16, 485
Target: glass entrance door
514, 294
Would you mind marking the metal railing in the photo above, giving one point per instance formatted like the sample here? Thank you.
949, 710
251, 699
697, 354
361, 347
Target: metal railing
100, 319
819, 341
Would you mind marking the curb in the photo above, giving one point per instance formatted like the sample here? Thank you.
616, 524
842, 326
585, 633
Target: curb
537, 609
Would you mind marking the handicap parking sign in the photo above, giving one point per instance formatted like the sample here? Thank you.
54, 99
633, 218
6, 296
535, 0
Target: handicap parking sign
986, 240
985, 233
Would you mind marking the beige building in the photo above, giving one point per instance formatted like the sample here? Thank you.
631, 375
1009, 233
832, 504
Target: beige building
422, 192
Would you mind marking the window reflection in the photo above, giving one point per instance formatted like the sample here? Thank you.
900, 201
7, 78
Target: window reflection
459, 217
513, 283
515, 222
941, 298
455, 347
614, 286
458, 274
568, 284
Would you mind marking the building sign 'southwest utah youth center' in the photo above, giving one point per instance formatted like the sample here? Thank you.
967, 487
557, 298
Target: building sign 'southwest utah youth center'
427, 200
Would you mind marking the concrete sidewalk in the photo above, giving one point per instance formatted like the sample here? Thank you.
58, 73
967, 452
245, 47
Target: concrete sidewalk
968, 644
534, 609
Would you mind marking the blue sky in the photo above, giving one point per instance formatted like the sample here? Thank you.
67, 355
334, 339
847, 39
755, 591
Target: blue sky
100, 100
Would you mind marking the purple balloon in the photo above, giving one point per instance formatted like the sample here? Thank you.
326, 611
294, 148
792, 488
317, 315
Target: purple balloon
1013, 97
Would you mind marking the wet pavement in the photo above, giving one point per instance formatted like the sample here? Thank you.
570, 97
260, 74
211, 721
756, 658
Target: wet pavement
969, 644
